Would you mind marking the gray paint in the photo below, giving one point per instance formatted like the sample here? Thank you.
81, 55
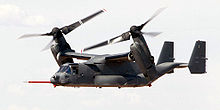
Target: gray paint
116, 70
198, 59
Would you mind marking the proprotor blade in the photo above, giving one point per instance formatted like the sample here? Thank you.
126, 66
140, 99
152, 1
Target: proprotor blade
151, 18
151, 34
48, 45
64, 30
33, 35
67, 29
123, 37
96, 46
126, 36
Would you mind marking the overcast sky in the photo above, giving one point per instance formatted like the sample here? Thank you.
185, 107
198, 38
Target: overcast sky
184, 22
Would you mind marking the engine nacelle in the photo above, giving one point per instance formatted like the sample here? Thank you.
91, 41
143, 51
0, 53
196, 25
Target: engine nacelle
57, 50
145, 63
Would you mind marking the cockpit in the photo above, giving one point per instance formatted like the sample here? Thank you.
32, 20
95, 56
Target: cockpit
64, 74
70, 69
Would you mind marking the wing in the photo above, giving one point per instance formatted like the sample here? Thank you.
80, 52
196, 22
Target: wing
73, 54
95, 59
118, 57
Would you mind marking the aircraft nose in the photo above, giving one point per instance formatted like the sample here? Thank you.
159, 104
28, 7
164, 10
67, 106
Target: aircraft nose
60, 78
54, 79
64, 78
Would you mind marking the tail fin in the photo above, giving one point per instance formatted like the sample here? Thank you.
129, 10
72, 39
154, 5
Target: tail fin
166, 54
197, 63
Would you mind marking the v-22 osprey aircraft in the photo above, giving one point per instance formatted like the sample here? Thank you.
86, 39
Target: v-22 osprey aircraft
135, 68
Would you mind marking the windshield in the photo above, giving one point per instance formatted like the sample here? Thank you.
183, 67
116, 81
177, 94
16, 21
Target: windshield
65, 69
68, 70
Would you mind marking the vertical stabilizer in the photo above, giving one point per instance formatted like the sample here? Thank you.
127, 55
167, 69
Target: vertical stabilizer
197, 63
166, 54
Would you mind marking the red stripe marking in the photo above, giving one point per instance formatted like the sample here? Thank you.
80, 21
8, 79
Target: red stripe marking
104, 9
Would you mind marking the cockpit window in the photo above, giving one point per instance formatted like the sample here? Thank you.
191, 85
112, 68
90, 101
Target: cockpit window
68, 70
65, 69
62, 68
73, 71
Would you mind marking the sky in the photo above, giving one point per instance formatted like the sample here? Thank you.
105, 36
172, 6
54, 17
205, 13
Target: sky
183, 21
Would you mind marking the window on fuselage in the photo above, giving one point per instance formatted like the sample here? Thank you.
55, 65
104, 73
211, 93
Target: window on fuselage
61, 69
74, 69
69, 69
65, 69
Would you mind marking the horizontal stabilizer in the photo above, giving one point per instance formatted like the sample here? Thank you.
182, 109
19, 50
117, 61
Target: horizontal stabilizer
197, 63
167, 67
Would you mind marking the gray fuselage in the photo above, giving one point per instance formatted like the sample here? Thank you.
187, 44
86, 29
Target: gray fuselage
124, 74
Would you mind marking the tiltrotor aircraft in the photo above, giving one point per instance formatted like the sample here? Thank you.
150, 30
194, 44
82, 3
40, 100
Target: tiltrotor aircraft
135, 68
